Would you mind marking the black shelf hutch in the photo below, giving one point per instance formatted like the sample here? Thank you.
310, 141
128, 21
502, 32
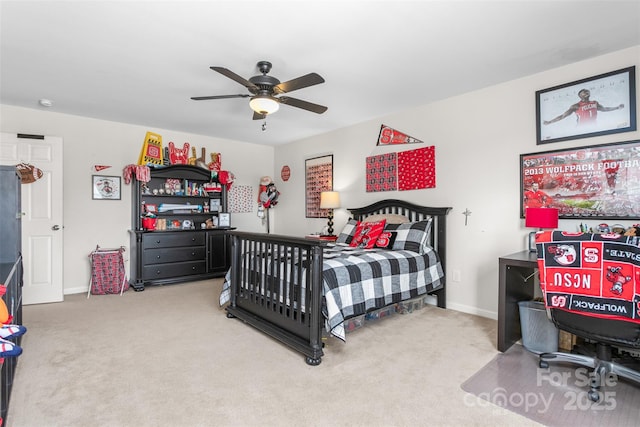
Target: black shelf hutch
179, 248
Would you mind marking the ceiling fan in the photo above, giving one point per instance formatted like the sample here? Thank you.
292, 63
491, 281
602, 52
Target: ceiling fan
263, 89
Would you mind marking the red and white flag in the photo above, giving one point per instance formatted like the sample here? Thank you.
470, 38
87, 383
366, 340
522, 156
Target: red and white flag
390, 136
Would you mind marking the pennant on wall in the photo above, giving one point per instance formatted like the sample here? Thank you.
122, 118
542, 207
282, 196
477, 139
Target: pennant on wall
390, 136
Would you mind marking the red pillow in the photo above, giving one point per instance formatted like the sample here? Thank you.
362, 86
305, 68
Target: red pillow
367, 234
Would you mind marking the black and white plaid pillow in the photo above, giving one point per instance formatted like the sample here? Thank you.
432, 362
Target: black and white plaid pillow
347, 232
412, 236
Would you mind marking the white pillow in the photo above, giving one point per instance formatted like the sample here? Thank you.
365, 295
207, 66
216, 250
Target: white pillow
347, 232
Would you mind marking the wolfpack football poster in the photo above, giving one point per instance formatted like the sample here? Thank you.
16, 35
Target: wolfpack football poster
601, 181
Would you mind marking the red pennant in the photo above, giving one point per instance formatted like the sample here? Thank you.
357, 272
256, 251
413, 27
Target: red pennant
390, 136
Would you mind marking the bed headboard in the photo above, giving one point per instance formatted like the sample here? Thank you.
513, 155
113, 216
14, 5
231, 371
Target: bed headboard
414, 212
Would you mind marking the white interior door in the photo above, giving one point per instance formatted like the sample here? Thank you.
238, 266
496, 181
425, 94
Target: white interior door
42, 226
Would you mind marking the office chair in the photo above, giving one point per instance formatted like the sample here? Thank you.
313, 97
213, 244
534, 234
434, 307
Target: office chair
591, 287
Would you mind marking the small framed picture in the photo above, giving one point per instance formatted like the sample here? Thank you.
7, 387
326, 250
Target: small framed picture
224, 219
151, 208
214, 205
105, 187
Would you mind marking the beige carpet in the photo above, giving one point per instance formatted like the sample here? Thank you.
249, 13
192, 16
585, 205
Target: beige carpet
168, 356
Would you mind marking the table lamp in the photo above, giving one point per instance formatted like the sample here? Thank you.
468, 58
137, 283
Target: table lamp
539, 218
329, 200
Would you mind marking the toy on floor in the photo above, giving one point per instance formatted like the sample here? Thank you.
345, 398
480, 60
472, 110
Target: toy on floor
7, 348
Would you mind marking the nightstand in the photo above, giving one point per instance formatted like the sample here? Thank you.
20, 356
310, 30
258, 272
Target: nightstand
321, 238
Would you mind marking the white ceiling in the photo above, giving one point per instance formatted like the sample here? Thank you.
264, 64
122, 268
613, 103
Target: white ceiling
140, 61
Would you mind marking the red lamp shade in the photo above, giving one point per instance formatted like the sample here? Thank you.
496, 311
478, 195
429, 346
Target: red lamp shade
541, 217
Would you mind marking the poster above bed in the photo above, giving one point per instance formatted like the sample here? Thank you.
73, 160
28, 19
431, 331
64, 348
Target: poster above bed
404, 170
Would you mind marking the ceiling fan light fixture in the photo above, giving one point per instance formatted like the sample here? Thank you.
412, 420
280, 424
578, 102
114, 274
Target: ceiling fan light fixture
264, 104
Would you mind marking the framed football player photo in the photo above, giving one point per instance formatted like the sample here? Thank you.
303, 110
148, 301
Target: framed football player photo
599, 105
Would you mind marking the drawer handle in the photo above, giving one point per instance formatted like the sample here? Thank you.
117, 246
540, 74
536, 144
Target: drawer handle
157, 256
193, 268
157, 241
157, 272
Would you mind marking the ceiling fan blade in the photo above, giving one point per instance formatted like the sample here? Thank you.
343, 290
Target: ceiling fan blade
233, 76
315, 108
258, 116
202, 98
299, 83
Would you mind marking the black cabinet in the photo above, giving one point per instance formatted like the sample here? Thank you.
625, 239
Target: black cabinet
10, 270
219, 247
177, 246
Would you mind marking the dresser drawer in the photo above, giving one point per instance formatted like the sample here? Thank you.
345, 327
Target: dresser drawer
161, 256
177, 269
172, 240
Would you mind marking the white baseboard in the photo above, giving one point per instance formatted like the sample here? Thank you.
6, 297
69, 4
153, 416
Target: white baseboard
432, 300
472, 310
79, 290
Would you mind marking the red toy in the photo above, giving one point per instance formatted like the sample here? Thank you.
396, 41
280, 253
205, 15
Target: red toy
7, 348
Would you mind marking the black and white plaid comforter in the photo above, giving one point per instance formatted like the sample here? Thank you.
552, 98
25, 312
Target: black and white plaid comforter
356, 281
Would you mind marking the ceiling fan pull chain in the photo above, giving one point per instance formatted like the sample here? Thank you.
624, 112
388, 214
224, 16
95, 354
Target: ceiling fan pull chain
264, 126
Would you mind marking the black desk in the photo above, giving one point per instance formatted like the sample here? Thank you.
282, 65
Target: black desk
517, 273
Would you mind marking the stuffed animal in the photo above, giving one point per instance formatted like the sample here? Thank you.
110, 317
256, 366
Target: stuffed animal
226, 178
7, 348
264, 182
272, 195
633, 230
268, 194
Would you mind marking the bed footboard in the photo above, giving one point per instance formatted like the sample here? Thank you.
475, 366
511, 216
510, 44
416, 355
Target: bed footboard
276, 286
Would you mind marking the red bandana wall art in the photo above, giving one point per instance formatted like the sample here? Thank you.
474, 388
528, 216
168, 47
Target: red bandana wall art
381, 173
405, 170
417, 169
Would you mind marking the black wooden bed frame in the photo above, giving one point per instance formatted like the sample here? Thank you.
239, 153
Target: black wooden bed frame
279, 311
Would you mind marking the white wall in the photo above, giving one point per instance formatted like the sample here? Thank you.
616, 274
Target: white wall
478, 138
89, 142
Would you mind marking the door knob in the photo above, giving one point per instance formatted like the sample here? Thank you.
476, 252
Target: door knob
55, 227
